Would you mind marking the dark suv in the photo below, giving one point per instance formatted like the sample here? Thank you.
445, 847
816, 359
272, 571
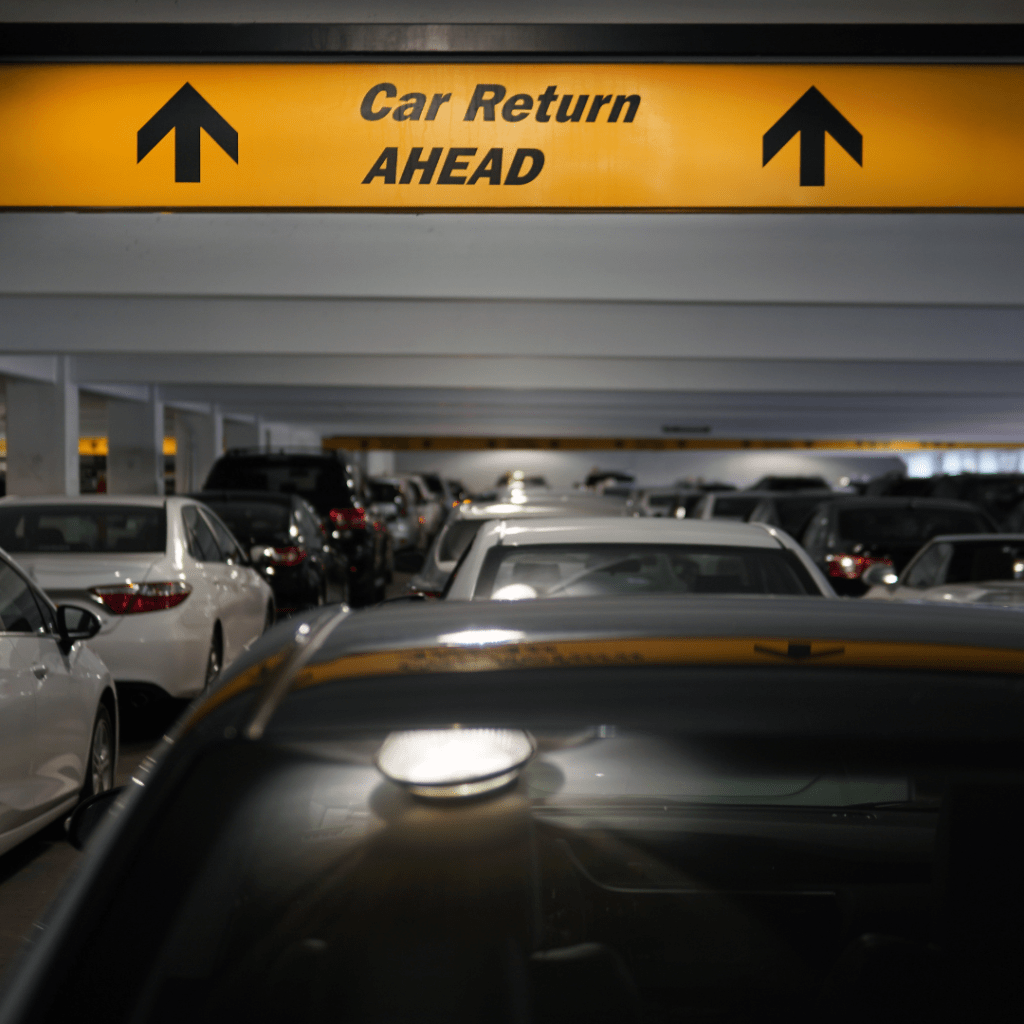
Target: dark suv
335, 488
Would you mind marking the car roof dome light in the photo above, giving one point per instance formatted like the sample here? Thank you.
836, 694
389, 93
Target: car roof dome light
456, 762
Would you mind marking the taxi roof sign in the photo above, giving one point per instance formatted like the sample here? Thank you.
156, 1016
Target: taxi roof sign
641, 136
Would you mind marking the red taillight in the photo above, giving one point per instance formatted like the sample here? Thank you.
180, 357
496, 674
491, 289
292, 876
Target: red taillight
133, 598
287, 556
851, 567
349, 518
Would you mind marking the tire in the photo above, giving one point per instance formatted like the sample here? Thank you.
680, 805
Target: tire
214, 660
268, 618
99, 769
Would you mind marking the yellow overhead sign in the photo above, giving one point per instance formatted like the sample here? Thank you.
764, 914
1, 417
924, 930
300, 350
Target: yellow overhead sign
555, 136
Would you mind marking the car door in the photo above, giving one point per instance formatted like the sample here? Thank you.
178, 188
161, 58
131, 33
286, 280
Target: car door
19, 621
243, 614
203, 547
64, 716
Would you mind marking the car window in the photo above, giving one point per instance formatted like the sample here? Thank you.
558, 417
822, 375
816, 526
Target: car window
226, 543
254, 522
202, 544
733, 507
929, 568
457, 536
902, 525
19, 612
983, 561
307, 524
321, 480
816, 535
590, 570
84, 529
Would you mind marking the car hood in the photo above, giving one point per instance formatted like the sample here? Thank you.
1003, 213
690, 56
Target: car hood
63, 573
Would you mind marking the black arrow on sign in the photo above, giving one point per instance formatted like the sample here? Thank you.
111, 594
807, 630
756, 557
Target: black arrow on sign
812, 116
186, 112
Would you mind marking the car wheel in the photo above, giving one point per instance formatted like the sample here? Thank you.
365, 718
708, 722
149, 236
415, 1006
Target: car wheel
268, 619
100, 766
214, 660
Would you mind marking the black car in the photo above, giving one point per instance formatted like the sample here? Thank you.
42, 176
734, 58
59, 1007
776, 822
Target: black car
335, 488
846, 535
285, 541
736, 810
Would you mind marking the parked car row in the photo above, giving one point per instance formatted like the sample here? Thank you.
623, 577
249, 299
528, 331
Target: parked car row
629, 719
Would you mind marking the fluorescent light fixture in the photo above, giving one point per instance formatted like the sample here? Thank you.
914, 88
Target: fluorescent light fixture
456, 762
474, 637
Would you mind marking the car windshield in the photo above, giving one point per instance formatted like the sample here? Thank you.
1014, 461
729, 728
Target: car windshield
734, 507
589, 570
254, 522
906, 526
86, 529
630, 870
320, 480
969, 562
457, 536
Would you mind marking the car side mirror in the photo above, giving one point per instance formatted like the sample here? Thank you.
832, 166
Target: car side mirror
86, 817
879, 574
74, 624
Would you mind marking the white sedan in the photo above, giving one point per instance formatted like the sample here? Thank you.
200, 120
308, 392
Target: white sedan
58, 710
511, 561
175, 594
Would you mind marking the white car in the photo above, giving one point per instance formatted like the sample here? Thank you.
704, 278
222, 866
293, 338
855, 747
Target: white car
978, 569
174, 592
468, 516
58, 710
592, 556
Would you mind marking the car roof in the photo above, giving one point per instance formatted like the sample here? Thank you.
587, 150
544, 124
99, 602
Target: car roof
899, 501
240, 497
447, 624
539, 506
145, 500
642, 530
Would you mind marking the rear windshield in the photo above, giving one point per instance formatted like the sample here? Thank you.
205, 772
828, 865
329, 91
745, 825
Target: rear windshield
381, 491
591, 570
793, 513
89, 529
321, 481
660, 500
734, 508
455, 539
254, 522
968, 562
906, 525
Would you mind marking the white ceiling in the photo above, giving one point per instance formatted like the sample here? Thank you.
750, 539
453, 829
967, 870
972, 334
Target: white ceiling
826, 325
514, 11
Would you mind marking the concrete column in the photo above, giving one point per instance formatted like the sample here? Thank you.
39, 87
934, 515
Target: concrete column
42, 435
241, 435
380, 463
196, 438
135, 447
